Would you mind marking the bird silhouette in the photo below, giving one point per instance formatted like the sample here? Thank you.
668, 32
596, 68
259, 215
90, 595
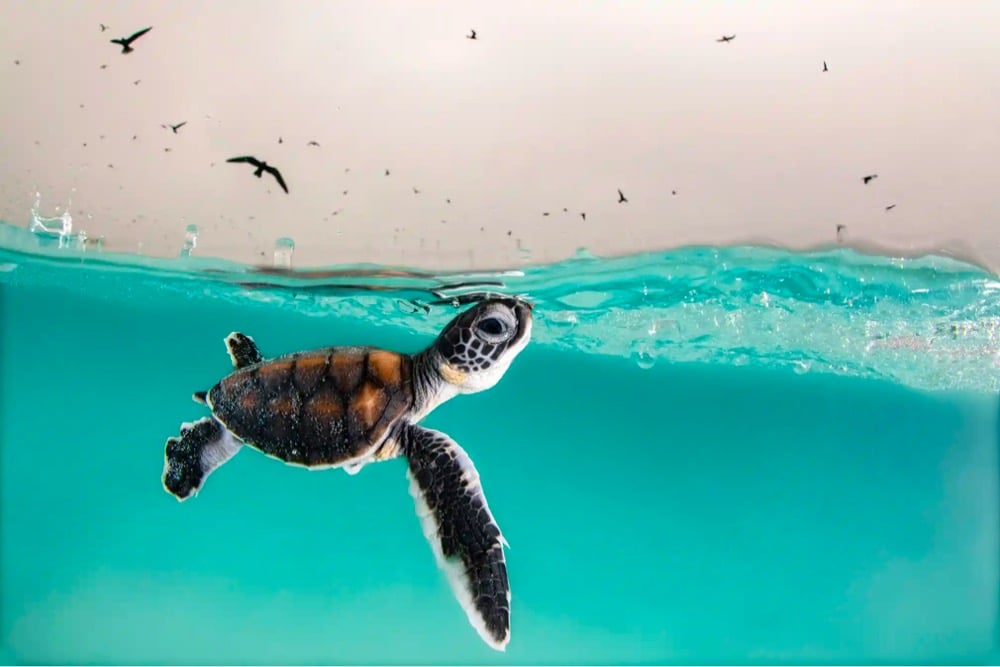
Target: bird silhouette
126, 42
840, 231
174, 127
890, 207
868, 179
825, 68
103, 27
313, 143
726, 38
621, 197
583, 215
261, 168
472, 36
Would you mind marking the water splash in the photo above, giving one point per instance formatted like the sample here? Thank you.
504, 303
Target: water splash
54, 228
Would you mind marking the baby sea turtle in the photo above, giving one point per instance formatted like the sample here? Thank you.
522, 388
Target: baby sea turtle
343, 407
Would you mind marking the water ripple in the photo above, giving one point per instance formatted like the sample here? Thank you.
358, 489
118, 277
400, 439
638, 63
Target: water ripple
930, 322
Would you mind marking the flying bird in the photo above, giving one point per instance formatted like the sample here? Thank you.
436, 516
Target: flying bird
472, 36
726, 38
103, 27
868, 179
621, 197
261, 168
840, 231
890, 207
126, 42
174, 127
313, 143
825, 68
583, 215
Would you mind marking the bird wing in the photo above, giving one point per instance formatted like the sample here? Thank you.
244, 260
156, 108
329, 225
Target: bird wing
180, 125
121, 41
245, 158
277, 176
139, 34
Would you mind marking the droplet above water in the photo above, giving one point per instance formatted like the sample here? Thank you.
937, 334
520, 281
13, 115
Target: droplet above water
284, 248
190, 240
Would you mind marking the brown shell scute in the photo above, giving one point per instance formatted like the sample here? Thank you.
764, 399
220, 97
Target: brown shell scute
316, 408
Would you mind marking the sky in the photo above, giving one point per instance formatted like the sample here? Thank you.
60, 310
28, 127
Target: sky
555, 105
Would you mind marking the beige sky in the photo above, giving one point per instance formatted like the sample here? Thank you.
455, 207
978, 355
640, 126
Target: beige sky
557, 104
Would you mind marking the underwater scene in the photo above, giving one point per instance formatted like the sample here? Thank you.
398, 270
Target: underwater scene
741, 455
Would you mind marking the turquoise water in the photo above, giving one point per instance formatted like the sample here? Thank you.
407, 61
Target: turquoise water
737, 455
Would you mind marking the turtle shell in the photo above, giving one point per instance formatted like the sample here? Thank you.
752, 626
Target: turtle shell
319, 408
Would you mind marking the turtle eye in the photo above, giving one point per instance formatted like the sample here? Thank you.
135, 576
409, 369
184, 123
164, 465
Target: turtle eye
494, 328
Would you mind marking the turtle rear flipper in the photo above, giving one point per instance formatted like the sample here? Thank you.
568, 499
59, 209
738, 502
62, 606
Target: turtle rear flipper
201, 448
242, 350
462, 532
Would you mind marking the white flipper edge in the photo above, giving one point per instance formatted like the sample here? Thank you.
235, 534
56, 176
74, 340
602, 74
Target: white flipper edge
458, 574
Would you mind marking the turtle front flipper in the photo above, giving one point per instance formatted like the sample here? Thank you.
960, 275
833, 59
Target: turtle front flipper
463, 534
190, 459
242, 350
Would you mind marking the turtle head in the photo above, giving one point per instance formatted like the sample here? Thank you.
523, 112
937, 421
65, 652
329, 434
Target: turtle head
476, 348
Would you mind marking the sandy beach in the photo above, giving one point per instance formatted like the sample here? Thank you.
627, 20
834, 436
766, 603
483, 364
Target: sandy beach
437, 151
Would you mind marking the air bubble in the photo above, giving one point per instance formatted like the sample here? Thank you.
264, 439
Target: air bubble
644, 360
283, 250
642, 356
